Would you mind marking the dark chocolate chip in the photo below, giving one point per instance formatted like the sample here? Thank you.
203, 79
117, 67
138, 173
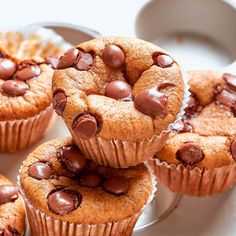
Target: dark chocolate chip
234, 109
163, 60
72, 159
233, 148
53, 61
118, 90
27, 72
68, 59
192, 107
40, 170
117, 185
62, 202
59, 102
152, 103
190, 153
14, 88
113, 56
84, 62
7, 68
8, 193
164, 85
230, 80
90, 179
226, 98
85, 126
186, 128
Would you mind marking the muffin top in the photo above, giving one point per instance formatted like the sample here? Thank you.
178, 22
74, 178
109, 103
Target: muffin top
207, 136
58, 180
12, 211
117, 88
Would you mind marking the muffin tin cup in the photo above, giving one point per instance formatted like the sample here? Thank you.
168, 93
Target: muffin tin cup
122, 153
19, 134
42, 224
194, 181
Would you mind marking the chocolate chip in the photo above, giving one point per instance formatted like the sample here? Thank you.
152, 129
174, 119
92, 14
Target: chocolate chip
113, 56
192, 107
163, 60
230, 80
72, 159
7, 68
117, 90
117, 185
14, 88
8, 193
233, 148
62, 202
9, 231
234, 109
152, 103
226, 98
164, 85
90, 179
84, 62
184, 127
53, 61
28, 72
85, 126
190, 153
68, 59
40, 171
59, 102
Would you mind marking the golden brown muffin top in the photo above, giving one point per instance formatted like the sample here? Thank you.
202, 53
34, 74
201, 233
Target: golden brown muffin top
117, 88
59, 181
208, 135
12, 210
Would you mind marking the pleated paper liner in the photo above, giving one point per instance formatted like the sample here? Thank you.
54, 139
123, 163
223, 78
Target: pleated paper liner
43, 225
194, 181
19, 134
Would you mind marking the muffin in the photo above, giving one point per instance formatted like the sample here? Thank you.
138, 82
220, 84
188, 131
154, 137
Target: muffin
118, 97
201, 159
67, 194
12, 210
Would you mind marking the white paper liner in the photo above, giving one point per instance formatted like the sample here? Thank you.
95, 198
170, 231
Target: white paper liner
42, 224
19, 134
122, 154
194, 181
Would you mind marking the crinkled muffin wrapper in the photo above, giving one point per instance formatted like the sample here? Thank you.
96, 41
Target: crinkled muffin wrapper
123, 154
194, 181
43, 225
19, 134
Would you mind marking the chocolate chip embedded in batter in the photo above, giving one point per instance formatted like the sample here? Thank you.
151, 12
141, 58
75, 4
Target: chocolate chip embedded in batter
230, 80
116, 185
192, 107
14, 88
68, 59
7, 68
233, 148
40, 170
85, 126
163, 60
190, 153
72, 159
185, 127
84, 62
152, 103
118, 90
8, 193
113, 56
62, 202
90, 179
59, 102
27, 72
226, 98
53, 61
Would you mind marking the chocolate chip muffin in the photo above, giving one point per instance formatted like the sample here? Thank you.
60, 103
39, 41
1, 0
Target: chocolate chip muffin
201, 159
12, 210
25, 102
118, 97
67, 194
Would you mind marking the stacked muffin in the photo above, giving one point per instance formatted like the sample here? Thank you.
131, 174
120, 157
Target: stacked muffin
119, 98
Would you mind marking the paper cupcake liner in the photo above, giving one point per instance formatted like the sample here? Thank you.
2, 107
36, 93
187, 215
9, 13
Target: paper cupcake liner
194, 181
43, 225
121, 153
20, 134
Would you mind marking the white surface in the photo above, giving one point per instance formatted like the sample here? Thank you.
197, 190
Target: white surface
213, 216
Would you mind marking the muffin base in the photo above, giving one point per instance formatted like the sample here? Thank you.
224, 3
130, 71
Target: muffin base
194, 181
19, 134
